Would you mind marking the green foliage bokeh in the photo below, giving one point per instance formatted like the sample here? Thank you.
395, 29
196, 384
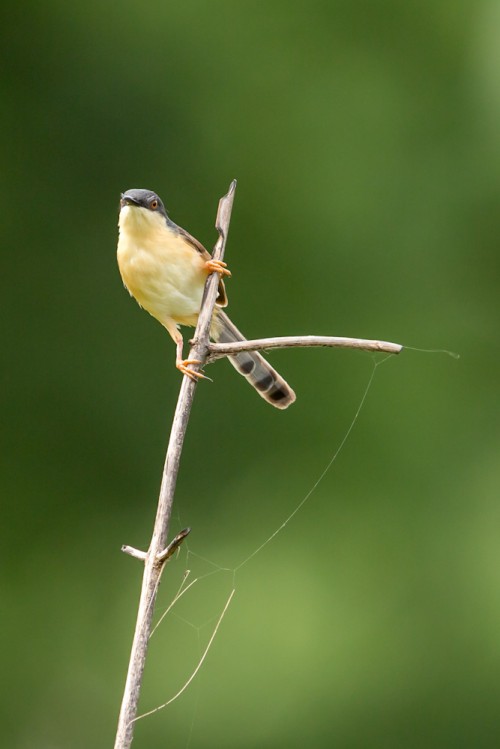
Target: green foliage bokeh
365, 140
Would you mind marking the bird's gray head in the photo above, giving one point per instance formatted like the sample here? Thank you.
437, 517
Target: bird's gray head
143, 199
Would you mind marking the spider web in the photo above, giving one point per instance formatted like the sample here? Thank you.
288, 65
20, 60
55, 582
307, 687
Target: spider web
200, 572
193, 578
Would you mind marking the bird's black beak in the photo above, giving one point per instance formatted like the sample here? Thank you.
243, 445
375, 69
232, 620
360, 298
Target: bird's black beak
127, 200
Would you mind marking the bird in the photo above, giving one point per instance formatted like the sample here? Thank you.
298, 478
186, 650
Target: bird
164, 268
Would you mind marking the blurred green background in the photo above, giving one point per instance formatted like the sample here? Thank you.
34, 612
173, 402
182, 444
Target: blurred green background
365, 137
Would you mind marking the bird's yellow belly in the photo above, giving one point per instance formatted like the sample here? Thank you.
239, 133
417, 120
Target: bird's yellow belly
168, 283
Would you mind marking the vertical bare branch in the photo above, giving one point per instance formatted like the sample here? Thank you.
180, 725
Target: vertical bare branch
154, 563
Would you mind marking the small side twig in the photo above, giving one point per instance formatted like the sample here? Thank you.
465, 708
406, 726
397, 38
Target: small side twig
173, 546
136, 553
227, 349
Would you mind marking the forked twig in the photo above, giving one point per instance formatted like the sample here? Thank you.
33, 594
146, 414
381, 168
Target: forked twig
159, 552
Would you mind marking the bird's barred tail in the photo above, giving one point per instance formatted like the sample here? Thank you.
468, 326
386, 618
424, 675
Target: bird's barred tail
268, 383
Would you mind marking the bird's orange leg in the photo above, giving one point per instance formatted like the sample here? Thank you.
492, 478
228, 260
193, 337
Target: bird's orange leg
183, 365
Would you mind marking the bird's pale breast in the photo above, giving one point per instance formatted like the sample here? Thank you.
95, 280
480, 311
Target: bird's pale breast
164, 273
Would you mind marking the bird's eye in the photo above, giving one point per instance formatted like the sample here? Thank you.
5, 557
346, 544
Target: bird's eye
154, 205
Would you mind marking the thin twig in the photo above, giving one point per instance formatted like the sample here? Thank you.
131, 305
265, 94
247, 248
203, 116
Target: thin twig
199, 665
153, 570
227, 349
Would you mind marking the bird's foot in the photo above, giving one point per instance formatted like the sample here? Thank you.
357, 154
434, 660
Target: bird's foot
219, 267
183, 365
